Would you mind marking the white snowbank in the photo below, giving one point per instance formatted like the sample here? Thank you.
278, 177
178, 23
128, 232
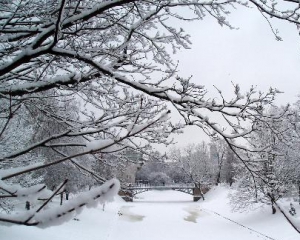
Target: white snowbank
164, 215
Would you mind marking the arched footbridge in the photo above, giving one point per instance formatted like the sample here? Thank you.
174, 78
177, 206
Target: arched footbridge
130, 190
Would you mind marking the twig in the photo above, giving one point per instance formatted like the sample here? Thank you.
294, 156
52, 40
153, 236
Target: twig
49, 199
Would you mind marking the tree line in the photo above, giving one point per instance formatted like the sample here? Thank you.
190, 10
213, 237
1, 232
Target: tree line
274, 171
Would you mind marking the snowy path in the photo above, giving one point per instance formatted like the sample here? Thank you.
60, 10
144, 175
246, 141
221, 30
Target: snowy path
163, 215
158, 216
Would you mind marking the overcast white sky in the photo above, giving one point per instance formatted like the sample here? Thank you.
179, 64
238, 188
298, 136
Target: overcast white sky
247, 56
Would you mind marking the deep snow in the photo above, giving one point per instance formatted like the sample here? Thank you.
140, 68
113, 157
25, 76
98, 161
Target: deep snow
164, 215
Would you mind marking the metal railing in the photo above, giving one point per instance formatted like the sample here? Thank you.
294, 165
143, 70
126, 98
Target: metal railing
160, 186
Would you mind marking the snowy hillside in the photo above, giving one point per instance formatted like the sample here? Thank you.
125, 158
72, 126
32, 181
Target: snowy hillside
164, 215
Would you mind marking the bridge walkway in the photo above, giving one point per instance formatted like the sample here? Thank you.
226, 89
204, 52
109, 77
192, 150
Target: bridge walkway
129, 191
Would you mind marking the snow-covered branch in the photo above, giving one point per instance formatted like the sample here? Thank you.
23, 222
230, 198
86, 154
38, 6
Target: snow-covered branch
80, 78
57, 215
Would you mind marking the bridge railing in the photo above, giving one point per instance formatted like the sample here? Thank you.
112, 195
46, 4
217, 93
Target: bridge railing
160, 186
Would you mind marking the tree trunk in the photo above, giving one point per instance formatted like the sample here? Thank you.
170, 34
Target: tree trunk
61, 198
272, 199
218, 178
273, 208
299, 192
198, 185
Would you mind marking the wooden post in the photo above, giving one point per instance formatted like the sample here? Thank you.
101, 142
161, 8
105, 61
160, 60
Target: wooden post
27, 205
61, 198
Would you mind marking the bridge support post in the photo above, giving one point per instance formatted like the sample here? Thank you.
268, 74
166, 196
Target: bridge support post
126, 195
196, 194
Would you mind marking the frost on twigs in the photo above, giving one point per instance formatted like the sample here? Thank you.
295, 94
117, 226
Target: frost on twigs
57, 215
80, 80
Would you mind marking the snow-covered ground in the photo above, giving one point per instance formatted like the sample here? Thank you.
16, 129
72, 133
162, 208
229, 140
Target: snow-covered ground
164, 215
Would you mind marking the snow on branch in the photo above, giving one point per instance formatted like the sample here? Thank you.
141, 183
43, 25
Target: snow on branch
86, 77
57, 215
31, 193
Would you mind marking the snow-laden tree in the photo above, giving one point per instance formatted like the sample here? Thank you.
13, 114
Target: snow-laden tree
11, 140
175, 172
155, 164
194, 162
115, 59
276, 165
262, 184
218, 150
288, 168
223, 159
159, 178
122, 165
229, 171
